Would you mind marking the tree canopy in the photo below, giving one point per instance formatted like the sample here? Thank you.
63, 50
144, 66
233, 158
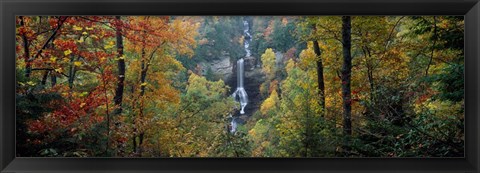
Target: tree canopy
319, 86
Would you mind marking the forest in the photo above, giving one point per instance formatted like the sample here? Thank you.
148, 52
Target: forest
240, 86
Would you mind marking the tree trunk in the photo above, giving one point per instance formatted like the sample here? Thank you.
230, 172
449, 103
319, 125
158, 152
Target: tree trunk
28, 59
321, 83
45, 77
121, 71
143, 76
143, 73
26, 50
346, 75
53, 79
71, 72
117, 99
433, 45
368, 63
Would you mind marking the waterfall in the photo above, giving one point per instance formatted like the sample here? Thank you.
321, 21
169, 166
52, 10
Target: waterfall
233, 125
240, 94
247, 37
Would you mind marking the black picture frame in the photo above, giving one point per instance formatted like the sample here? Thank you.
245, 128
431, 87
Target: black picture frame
11, 8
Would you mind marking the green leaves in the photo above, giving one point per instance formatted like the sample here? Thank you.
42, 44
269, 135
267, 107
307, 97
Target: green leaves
407, 86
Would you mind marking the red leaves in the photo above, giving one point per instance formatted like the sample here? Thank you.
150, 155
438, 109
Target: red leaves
354, 92
27, 32
79, 113
122, 139
36, 126
67, 45
54, 21
423, 98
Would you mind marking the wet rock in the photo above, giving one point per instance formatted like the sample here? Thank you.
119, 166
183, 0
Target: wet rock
250, 63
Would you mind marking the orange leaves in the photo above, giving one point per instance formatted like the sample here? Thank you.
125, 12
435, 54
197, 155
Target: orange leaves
269, 30
67, 46
26, 31
148, 33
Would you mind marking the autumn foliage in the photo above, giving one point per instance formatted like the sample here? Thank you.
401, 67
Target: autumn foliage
151, 86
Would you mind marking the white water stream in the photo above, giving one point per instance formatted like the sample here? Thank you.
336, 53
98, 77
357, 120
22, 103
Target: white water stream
240, 94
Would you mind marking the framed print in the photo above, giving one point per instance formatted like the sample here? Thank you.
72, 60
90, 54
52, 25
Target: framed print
239, 86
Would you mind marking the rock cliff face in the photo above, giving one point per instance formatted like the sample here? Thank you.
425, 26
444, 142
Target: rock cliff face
221, 67
250, 63
226, 70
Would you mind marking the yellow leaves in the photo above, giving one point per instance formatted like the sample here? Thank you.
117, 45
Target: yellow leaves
77, 28
110, 45
88, 28
182, 35
81, 40
323, 46
143, 84
83, 94
269, 103
199, 84
308, 59
290, 65
268, 63
119, 58
77, 63
67, 52
84, 33
442, 109
31, 83
241, 40
20, 64
59, 70
53, 59
253, 132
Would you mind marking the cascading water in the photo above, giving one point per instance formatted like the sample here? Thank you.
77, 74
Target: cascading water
240, 94
247, 37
